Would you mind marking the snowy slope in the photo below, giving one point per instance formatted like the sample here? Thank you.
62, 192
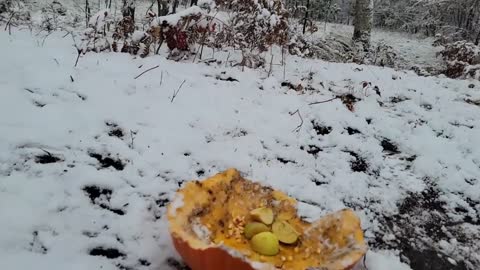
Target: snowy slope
90, 156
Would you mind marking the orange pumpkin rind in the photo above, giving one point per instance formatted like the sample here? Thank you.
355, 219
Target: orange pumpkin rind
206, 221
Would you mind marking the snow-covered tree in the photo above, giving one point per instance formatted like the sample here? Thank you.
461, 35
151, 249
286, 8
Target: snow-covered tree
454, 19
363, 22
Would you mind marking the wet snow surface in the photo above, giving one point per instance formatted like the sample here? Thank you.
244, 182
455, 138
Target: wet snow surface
90, 156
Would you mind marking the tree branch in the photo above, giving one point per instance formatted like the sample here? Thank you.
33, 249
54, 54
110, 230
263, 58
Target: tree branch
175, 93
325, 101
138, 76
297, 129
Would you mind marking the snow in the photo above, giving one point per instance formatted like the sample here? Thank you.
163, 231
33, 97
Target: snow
206, 4
201, 232
137, 36
173, 19
124, 139
384, 260
99, 19
176, 203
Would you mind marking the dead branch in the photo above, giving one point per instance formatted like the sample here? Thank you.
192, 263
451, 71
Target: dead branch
175, 93
79, 52
71, 78
365, 262
48, 153
8, 25
45, 37
132, 133
271, 62
284, 62
157, 66
228, 57
325, 101
297, 129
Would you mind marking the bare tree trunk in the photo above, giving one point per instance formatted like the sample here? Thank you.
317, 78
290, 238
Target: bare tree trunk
193, 2
296, 10
306, 17
174, 6
128, 9
363, 22
87, 12
163, 7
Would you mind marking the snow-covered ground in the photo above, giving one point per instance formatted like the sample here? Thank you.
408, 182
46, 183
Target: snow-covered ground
90, 156
413, 50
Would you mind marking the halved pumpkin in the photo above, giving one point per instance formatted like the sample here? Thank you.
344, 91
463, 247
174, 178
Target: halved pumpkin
207, 219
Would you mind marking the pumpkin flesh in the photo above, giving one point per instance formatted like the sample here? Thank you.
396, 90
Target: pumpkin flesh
214, 213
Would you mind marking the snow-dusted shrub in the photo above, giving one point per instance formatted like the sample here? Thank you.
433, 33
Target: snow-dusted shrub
254, 26
5, 6
384, 55
122, 34
473, 71
462, 58
450, 34
462, 51
14, 13
339, 49
426, 71
334, 49
55, 16
95, 38
179, 31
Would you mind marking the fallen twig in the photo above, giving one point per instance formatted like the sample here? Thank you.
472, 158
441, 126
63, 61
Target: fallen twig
157, 66
175, 93
45, 37
325, 101
365, 262
56, 61
71, 78
9, 24
284, 62
48, 153
79, 52
132, 133
161, 78
297, 129
271, 62
226, 61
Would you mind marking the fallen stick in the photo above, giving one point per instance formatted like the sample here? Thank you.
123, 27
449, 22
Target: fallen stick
175, 93
297, 129
157, 66
325, 101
